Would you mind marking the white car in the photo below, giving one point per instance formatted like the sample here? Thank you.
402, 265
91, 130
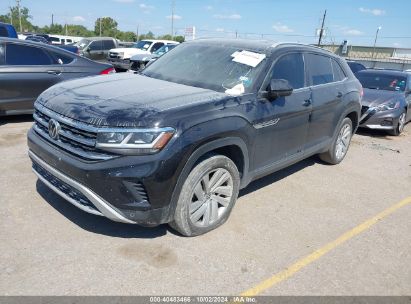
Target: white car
120, 57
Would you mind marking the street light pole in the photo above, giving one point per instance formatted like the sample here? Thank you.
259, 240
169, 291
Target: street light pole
375, 40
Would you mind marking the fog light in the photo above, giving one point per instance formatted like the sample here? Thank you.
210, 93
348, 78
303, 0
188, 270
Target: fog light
387, 122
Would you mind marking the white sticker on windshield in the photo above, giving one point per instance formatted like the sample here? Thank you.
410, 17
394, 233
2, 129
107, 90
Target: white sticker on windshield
249, 58
236, 90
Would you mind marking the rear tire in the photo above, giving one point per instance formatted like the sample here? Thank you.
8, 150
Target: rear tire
401, 124
207, 196
340, 145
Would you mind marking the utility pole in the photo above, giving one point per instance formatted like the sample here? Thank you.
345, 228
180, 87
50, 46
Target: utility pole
18, 7
100, 26
375, 41
52, 19
137, 31
322, 28
173, 4
11, 16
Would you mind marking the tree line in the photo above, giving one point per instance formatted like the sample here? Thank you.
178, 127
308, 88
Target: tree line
105, 26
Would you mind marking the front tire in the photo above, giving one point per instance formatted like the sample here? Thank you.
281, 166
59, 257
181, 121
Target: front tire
401, 124
207, 196
340, 145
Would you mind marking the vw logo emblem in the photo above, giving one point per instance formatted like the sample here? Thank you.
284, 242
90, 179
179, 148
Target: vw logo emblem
54, 129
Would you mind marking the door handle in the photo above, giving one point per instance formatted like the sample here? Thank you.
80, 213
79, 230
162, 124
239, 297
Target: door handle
339, 94
54, 72
307, 102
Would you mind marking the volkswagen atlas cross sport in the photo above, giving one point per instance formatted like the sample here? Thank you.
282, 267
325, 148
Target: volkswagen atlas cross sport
175, 143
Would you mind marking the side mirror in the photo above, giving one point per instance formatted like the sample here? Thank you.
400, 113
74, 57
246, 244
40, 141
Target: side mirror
278, 88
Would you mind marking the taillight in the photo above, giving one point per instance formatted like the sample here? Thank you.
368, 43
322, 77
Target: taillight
108, 71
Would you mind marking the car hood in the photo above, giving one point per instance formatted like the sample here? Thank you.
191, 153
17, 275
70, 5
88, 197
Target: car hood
129, 51
140, 57
122, 100
374, 98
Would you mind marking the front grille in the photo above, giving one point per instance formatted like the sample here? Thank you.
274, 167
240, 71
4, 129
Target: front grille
114, 55
68, 190
75, 138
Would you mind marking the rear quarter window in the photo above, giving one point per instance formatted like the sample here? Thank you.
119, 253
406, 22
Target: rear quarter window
338, 72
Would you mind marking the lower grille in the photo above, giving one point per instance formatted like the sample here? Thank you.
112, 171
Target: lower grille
68, 190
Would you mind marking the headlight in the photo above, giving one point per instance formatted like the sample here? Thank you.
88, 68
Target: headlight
120, 55
386, 106
134, 141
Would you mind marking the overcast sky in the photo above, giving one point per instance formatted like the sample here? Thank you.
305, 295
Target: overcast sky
281, 20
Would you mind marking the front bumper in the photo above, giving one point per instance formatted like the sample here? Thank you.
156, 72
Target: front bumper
384, 120
124, 189
120, 63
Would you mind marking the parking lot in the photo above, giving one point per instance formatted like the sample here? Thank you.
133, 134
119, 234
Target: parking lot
50, 247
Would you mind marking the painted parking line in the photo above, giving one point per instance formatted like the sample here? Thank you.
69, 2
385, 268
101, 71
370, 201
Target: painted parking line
305, 261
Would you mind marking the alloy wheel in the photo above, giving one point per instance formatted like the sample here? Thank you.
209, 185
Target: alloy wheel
211, 197
343, 141
401, 123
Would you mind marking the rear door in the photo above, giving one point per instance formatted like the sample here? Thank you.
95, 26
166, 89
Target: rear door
283, 124
327, 92
26, 73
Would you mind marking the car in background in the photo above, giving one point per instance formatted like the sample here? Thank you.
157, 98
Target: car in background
28, 68
7, 30
356, 66
386, 103
139, 62
120, 57
96, 48
49, 40
36, 38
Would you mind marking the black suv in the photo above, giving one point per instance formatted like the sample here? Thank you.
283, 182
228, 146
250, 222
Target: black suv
175, 143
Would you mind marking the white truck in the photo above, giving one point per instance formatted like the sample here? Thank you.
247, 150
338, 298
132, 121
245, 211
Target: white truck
120, 57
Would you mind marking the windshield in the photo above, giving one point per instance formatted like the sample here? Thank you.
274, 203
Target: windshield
142, 45
220, 68
164, 49
83, 43
382, 81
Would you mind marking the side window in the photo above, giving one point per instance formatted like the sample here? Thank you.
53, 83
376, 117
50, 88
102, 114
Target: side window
2, 53
64, 58
17, 54
337, 71
96, 45
3, 32
319, 69
290, 67
156, 46
108, 44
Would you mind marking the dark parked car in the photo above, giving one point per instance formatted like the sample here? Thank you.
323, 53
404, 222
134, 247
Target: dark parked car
387, 100
356, 66
139, 62
7, 30
96, 48
175, 143
28, 68
47, 39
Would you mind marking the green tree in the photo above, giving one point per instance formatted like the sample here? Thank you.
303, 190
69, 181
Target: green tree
13, 18
126, 36
180, 39
106, 26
